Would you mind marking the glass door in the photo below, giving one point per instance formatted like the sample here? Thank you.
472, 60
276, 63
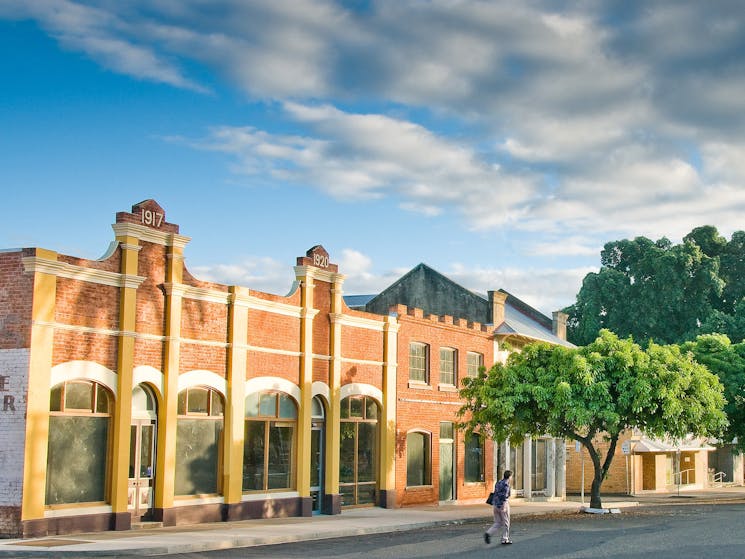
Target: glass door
143, 432
447, 462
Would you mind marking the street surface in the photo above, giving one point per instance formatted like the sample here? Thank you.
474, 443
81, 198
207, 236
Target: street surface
663, 532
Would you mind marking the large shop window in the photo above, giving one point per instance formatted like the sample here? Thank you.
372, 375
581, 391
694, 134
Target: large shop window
418, 459
419, 362
269, 444
358, 456
78, 444
198, 441
448, 365
474, 458
539, 460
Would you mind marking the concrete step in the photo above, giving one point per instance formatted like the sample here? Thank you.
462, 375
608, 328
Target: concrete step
145, 525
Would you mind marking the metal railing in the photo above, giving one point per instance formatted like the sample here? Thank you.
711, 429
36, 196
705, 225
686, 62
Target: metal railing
683, 477
717, 478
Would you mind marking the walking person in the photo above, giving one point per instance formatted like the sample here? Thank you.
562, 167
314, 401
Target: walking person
501, 509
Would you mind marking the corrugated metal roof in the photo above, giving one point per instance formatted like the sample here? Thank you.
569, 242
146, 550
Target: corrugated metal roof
519, 324
355, 301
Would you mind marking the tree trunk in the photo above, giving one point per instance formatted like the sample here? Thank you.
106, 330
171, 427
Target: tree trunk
597, 481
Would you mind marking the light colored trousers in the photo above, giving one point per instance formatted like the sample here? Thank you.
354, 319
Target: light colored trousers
501, 522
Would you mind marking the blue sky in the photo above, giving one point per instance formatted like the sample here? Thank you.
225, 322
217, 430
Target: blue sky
501, 143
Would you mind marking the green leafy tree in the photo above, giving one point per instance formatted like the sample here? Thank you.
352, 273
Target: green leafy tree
650, 290
727, 361
598, 390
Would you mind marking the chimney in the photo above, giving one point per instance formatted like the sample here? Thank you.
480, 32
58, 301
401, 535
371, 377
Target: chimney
559, 324
496, 306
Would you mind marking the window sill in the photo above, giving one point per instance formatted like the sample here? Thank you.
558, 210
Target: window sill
447, 388
419, 385
419, 487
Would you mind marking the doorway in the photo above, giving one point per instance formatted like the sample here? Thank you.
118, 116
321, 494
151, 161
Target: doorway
317, 442
447, 461
143, 433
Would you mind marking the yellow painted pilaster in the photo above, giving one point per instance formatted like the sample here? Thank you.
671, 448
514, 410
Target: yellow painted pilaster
39, 373
125, 367
306, 384
165, 467
388, 419
333, 439
235, 405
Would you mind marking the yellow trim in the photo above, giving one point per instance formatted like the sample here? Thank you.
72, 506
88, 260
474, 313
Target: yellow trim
306, 386
125, 371
165, 466
388, 415
333, 414
39, 374
236, 395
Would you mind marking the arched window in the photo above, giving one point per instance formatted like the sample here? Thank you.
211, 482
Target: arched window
358, 456
418, 459
269, 443
78, 443
198, 441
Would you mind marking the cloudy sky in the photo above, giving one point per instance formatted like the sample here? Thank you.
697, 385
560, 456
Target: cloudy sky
501, 143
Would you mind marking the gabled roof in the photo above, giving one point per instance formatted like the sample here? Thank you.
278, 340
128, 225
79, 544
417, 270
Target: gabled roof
425, 288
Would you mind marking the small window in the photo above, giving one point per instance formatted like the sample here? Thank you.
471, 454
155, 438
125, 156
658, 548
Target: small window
200, 400
419, 362
474, 362
418, 459
448, 365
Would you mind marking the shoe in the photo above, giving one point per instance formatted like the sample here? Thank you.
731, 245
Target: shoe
487, 538
506, 542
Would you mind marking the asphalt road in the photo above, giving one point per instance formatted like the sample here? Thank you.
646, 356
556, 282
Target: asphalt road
674, 532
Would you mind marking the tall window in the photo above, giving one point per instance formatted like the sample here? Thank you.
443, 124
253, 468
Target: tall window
474, 362
418, 459
538, 458
419, 362
199, 427
78, 444
358, 455
269, 443
516, 465
448, 365
474, 458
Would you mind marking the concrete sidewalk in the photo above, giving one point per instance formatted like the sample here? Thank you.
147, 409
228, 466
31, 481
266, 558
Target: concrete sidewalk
352, 522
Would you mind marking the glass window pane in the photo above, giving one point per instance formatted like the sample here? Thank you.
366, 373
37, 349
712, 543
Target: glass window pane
417, 362
366, 494
280, 455
55, 398
181, 406
355, 405
474, 458
344, 411
366, 452
346, 453
474, 362
538, 475
216, 407
268, 405
317, 407
371, 408
147, 435
197, 400
446, 430
253, 456
287, 407
132, 449
447, 365
416, 459
102, 399
197, 456
252, 405
516, 465
79, 396
76, 461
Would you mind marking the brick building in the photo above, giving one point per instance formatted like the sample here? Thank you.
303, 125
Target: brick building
133, 391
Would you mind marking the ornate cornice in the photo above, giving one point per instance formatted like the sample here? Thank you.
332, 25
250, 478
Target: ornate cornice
149, 234
34, 264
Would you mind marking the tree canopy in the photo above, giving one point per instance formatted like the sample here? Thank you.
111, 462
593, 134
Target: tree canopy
727, 361
601, 389
662, 291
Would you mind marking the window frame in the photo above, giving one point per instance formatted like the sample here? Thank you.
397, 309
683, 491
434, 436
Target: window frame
426, 472
451, 377
467, 454
425, 362
469, 366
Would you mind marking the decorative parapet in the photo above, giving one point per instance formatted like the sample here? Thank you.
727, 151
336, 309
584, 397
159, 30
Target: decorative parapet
417, 313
